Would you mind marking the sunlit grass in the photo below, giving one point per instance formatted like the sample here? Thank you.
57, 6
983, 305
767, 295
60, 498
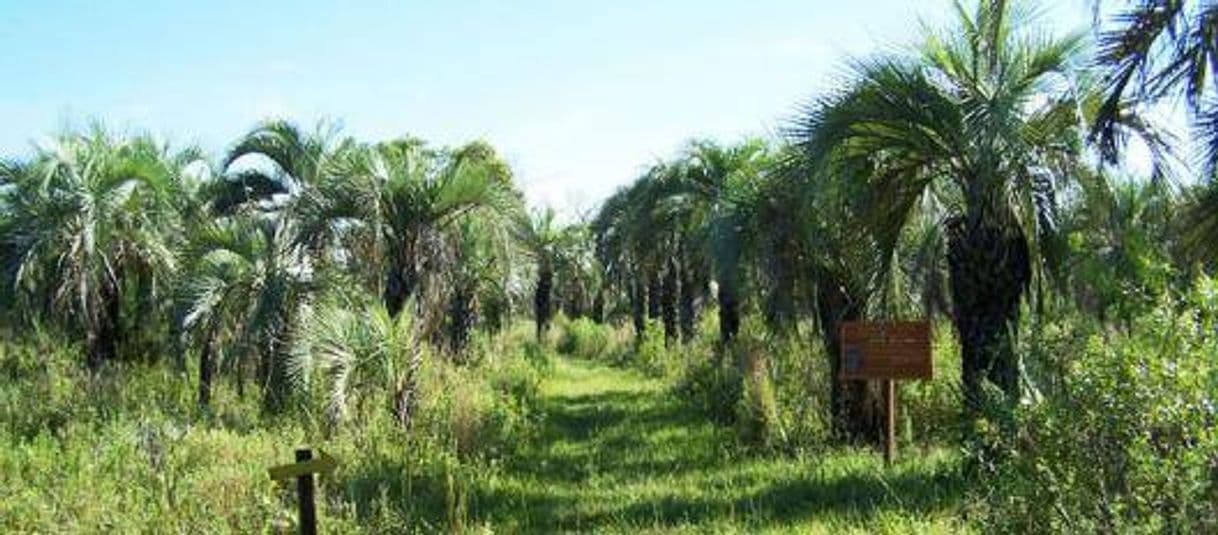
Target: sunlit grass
618, 454
599, 449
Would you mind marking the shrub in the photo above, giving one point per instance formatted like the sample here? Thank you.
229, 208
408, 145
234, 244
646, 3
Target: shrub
1118, 434
713, 390
584, 338
650, 354
929, 410
757, 410
800, 372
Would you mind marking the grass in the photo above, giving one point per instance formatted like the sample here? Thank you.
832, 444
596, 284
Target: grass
618, 454
596, 449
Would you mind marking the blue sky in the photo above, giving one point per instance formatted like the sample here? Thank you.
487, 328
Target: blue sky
579, 96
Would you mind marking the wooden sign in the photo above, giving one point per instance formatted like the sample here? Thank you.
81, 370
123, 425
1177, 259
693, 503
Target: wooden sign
303, 471
886, 350
890, 351
323, 464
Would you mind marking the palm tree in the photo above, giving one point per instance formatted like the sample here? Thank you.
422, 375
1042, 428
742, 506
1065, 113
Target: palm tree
243, 290
613, 254
390, 203
423, 195
680, 221
575, 272
986, 121
1161, 49
721, 185
482, 263
1120, 241
91, 227
358, 351
540, 236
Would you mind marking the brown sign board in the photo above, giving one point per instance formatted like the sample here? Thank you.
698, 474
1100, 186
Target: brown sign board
886, 350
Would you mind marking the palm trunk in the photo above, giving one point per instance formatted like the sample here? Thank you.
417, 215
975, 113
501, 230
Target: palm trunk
144, 328
404, 398
653, 296
780, 306
856, 407
541, 299
729, 313
574, 301
206, 368
460, 317
989, 269
687, 310
492, 311
400, 283
668, 302
103, 328
598, 306
94, 352
275, 379
638, 299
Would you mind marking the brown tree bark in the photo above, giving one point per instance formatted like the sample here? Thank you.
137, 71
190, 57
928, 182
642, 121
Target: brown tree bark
989, 268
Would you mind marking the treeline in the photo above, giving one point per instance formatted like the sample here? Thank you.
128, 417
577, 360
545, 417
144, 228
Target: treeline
971, 179
982, 179
145, 252
976, 178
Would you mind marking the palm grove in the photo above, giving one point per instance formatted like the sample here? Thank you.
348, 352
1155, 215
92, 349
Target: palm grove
974, 179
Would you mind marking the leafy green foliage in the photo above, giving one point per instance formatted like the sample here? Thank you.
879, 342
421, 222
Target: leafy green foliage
1121, 435
588, 339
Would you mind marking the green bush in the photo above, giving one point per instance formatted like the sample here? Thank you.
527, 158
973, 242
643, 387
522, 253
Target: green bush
757, 419
126, 449
651, 354
713, 390
584, 338
800, 372
1118, 433
929, 411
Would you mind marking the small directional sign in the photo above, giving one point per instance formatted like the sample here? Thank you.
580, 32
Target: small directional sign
323, 464
302, 471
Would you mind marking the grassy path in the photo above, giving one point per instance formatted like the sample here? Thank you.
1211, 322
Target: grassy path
619, 454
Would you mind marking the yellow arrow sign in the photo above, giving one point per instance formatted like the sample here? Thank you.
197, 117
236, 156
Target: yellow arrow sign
323, 464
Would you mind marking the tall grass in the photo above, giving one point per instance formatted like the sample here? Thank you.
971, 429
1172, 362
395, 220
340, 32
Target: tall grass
128, 450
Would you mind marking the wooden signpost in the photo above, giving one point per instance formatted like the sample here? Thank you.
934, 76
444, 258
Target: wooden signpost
303, 471
888, 351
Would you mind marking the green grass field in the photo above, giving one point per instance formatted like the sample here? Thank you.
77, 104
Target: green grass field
603, 450
617, 454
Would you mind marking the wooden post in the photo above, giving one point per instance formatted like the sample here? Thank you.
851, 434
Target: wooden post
890, 421
304, 491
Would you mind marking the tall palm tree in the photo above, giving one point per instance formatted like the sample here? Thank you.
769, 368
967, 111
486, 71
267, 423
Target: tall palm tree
623, 246
679, 222
811, 256
421, 197
613, 254
91, 228
482, 263
576, 272
541, 237
723, 184
985, 119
